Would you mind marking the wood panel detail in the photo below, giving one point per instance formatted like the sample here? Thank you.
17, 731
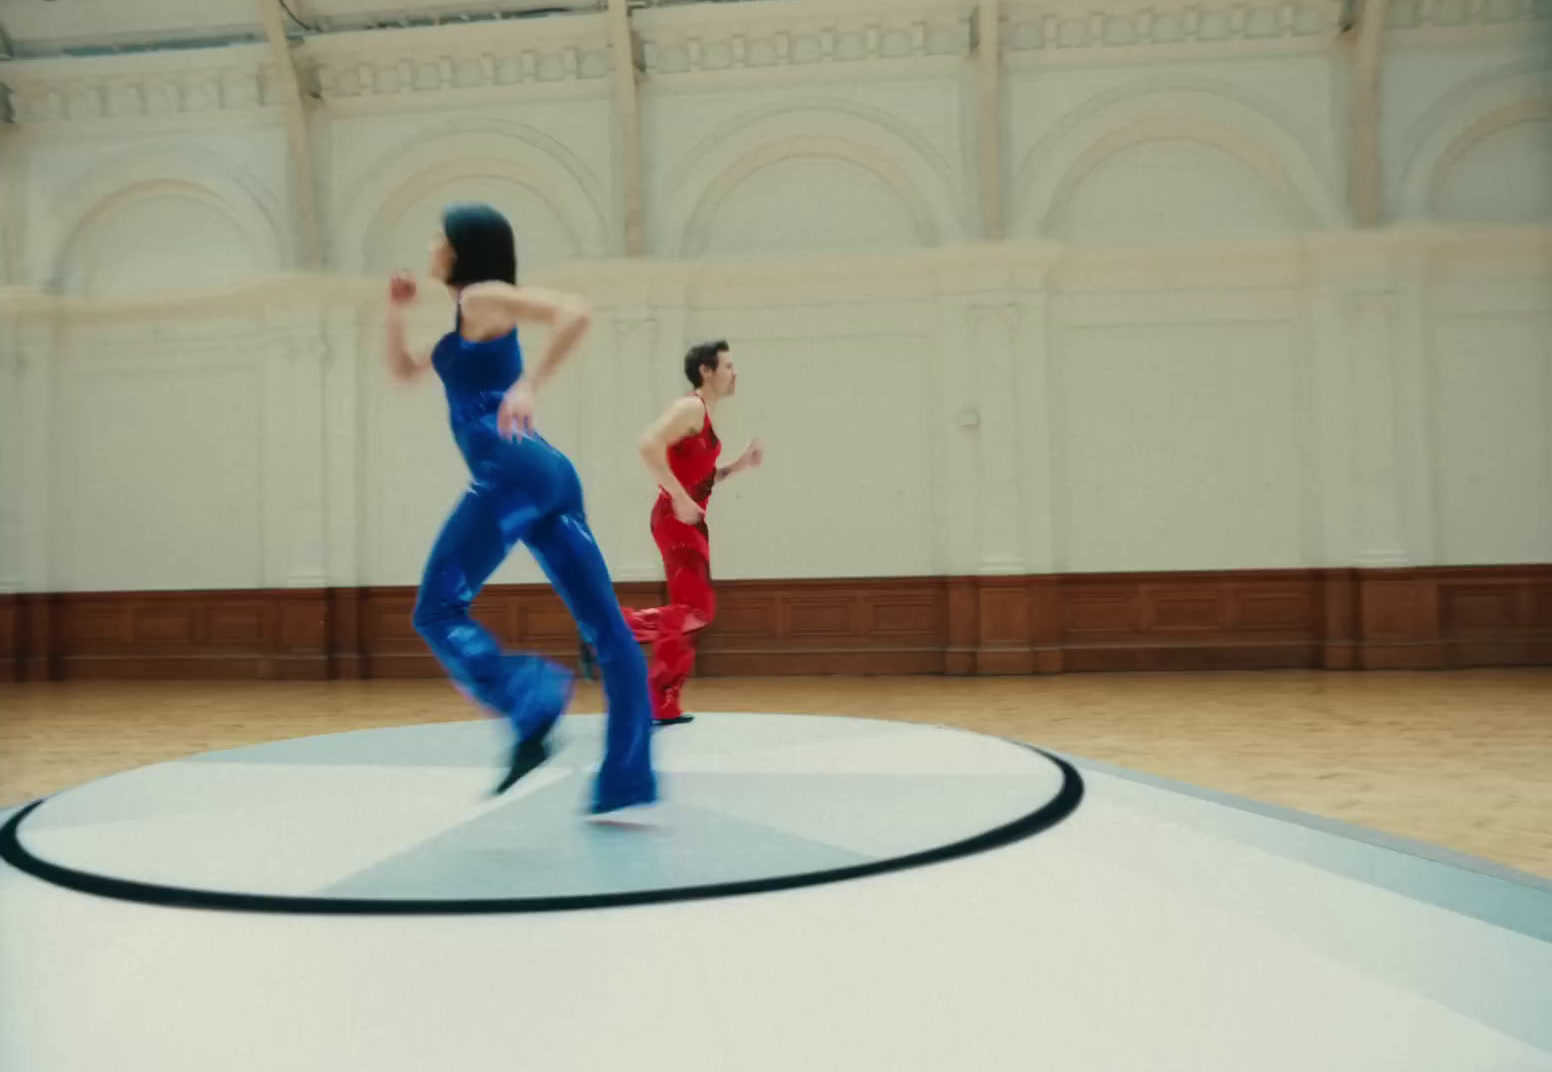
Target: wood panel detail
889, 626
1495, 616
1191, 621
10, 636
1333, 619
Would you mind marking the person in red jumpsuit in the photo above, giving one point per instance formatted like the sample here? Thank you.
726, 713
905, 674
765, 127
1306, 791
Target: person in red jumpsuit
681, 450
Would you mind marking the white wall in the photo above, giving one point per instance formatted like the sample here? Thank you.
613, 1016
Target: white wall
1182, 358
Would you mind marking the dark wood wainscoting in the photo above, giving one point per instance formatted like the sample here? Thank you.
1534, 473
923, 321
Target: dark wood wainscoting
1238, 620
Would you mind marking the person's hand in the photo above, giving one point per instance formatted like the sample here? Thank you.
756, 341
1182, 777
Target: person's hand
401, 289
516, 416
752, 456
688, 511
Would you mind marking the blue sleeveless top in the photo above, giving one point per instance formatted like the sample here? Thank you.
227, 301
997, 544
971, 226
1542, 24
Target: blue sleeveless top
476, 376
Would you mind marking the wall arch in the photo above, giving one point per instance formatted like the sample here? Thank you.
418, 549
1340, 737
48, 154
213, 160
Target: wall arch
158, 237
1460, 125
125, 184
859, 141
1057, 166
538, 172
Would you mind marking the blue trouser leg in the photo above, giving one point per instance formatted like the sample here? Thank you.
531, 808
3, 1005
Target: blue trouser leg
570, 557
528, 690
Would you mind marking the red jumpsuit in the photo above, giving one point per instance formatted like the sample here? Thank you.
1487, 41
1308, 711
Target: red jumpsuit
686, 551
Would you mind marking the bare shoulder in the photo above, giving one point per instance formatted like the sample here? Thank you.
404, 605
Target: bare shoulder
687, 414
512, 305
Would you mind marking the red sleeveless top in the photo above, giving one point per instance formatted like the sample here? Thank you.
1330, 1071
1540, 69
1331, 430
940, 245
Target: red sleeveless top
693, 460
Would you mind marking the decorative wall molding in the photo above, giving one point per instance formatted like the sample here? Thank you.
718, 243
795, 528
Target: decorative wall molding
1064, 269
1456, 15
693, 41
1119, 24
701, 40
443, 59
1037, 28
1309, 619
159, 85
388, 65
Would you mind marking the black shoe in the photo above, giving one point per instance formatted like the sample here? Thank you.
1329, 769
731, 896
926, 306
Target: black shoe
678, 720
587, 662
526, 755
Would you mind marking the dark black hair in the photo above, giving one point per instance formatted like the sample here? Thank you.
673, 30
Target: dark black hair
706, 355
483, 246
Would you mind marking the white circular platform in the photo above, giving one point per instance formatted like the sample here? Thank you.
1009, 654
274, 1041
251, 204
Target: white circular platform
399, 821
1153, 928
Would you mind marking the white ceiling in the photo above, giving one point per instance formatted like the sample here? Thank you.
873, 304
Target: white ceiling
51, 27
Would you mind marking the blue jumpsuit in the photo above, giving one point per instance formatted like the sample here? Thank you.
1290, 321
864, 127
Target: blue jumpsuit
526, 490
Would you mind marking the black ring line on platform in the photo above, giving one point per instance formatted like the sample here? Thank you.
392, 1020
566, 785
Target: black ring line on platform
1057, 808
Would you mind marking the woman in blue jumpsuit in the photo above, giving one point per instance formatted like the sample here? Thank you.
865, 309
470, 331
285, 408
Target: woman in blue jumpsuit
522, 490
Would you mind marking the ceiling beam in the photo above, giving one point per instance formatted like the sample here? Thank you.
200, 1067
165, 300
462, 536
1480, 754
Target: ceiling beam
627, 124
299, 142
1365, 173
988, 81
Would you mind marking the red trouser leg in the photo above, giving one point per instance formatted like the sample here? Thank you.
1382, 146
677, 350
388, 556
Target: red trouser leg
672, 629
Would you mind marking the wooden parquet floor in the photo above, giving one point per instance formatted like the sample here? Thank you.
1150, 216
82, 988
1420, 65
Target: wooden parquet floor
1461, 759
